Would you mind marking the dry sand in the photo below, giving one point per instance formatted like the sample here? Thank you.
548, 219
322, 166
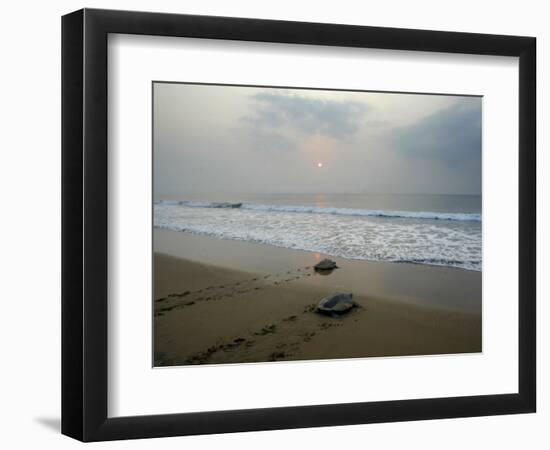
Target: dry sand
256, 303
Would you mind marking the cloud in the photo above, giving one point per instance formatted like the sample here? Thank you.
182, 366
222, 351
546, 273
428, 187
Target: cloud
265, 139
284, 116
451, 136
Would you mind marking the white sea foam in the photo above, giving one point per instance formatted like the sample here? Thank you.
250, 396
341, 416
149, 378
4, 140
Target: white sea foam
404, 236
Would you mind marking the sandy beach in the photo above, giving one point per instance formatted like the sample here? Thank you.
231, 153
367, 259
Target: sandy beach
226, 301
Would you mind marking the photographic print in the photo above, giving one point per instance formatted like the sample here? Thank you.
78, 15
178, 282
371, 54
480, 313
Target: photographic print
314, 224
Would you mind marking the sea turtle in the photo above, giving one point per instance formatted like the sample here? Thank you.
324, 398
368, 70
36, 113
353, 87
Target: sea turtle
336, 304
326, 264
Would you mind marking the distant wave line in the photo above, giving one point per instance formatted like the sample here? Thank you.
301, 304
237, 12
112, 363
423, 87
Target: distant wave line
429, 215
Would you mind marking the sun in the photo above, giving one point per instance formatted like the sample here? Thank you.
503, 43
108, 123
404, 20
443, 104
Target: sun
319, 164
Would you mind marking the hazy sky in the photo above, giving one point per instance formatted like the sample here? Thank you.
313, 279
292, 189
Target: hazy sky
264, 140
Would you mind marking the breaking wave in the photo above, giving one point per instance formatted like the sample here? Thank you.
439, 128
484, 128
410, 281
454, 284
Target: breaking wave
444, 239
463, 217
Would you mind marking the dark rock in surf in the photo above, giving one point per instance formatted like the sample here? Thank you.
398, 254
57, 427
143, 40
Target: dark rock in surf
225, 205
336, 304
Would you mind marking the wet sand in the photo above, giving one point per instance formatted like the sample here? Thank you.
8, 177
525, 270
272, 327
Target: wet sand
220, 301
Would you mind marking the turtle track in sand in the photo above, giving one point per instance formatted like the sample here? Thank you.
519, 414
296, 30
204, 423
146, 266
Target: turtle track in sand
291, 340
187, 298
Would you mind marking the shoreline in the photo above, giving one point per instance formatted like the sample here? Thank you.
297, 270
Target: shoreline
238, 302
435, 286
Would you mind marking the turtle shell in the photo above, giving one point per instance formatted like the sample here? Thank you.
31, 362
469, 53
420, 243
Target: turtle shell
336, 304
326, 264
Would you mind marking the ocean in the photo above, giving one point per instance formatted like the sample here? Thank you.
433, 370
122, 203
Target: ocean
443, 230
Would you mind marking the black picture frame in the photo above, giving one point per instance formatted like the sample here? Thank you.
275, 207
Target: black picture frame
84, 224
